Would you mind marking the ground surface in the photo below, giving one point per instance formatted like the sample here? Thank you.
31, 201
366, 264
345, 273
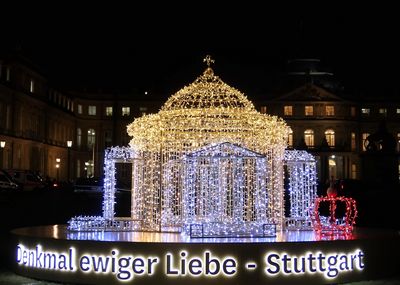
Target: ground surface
46, 208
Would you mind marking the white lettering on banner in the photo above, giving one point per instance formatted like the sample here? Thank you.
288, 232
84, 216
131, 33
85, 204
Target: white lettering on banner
182, 264
125, 267
207, 265
38, 258
328, 264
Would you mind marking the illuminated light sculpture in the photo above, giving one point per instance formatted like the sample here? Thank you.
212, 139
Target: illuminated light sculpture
210, 169
108, 221
207, 164
113, 155
302, 187
206, 112
225, 192
334, 225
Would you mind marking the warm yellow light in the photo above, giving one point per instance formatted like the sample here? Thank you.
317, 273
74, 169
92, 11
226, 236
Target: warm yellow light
208, 111
58, 159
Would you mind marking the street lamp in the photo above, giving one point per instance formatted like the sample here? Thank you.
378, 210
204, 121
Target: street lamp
2, 145
69, 145
58, 168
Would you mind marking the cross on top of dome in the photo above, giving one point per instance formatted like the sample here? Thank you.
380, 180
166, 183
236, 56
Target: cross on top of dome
209, 60
208, 91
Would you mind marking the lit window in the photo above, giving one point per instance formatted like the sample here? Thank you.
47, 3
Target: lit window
330, 137
143, 111
126, 111
365, 111
263, 109
364, 140
288, 110
353, 111
89, 168
353, 171
92, 110
309, 138
398, 142
79, 109
32, 86
91, 138
332, 167
353, 141
308, 110
109, 111
78, 137
398, 111
382, 111
330, 110
290, 138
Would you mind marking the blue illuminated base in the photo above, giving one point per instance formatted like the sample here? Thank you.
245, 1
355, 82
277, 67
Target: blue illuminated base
291, 257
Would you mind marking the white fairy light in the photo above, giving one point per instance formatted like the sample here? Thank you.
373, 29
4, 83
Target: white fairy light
208, 111
225, 192
208, 164
301, 167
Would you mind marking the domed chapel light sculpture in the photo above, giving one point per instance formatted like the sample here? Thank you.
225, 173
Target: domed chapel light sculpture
206, 112
207, 163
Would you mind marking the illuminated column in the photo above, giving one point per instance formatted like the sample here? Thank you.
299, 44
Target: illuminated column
109, 185
261, 198
301, 168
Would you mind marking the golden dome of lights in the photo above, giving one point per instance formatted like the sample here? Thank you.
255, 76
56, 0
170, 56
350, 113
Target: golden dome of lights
205, 113
208, 91
208, 111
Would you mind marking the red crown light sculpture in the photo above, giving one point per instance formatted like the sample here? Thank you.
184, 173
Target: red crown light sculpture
333, 225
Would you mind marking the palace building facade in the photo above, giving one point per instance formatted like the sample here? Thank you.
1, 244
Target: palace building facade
325, 122
37, 120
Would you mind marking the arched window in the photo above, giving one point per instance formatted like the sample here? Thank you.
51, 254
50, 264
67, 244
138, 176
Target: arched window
353, 142
353, 171
290, 138
330, 137
91, 138
78, 137
332, 167
309, 137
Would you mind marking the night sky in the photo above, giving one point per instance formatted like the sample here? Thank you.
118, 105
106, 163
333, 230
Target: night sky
159, 49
